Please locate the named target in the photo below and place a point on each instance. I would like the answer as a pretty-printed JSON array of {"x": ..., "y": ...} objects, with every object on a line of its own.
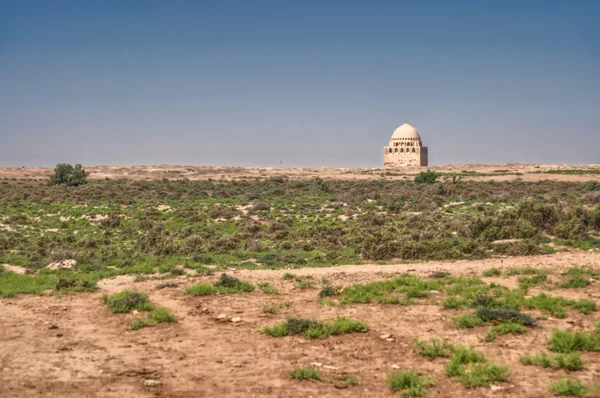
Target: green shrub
[
  {"x": 541, "y": 359},
  {"x": 570, "y": 362},
  {"x": 227, "y": 281},
  {"x": 454, "y": 302},
  {"x": 201, "y": 289},
  {"x": 439, "y": 275},
  {"x": 504, "y": 315},
  {"x": 569, "y": 388},
  {"x": 162, "y": 315},
  {"x": 315, "y": 330},
  {"x": 127, "y": 301},
  {"x": 467, "y": 321},
  {"x": 166, "y": 285},
  {"x": 267, "y": 288},
  {"x": 426, "y": 177},
  {"x": 280, "y": 330},
  {"x": 409, "y": 382},
  {"x": 565, "y": 341},
  {"x": 12, "y": 284},
  {"x": 504, "y": 328},
  {"x": 574, "y": 282},
  {"x": 327, "y": 291},
  {"x": 472, "y": 369},
  {"x": 492, "y": 272},
  {"x": 434, "y": 348},
  {"x": 482, "y": 374},
  {"x": 138, "y": 323},
  {"x": 305, "y": 374},
  {"x": 65, "y": 174},
  {"x": 75, "y": 285}
]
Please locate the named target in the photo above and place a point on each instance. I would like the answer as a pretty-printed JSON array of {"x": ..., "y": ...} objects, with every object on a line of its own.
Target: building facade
[{"x": 405, "y": 148}]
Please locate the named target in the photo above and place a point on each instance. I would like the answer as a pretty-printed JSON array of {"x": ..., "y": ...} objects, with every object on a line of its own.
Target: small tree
[
  {"x": 426, "y": 177},
  {"x": 65, "y": 174}
]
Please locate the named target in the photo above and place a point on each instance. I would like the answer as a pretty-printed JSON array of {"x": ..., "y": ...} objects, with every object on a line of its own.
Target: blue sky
[{"x": 304, "y": 83}]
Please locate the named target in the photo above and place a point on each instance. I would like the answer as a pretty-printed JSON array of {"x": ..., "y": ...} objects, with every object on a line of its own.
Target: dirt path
[{"x": 72, "y": 346}]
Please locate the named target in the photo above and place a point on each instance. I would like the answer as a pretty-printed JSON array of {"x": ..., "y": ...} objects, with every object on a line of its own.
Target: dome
[{"x": 406, "y": 131}]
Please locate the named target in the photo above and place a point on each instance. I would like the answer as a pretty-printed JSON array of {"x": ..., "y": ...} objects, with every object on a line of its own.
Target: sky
[{"x": 297, "y": 83}]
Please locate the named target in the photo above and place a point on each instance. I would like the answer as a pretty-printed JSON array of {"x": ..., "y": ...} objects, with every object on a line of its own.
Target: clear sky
[{"x": 305, "y": 83}]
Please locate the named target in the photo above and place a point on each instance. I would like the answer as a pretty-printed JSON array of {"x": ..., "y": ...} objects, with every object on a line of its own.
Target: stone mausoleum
[{"x": 405, "y": 148}]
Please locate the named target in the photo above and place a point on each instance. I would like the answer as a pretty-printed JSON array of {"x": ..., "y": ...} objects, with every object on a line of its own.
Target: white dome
[{"x": 406, "y": 131}]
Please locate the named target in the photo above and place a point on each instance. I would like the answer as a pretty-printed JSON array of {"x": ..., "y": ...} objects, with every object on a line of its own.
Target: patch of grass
[
  {"x": 75, "y": 285},
  {"x": 540, "y": 359},
  {"x": 467, "y": 321},
  {"x": 566, "y": 341},
  {"x": 556, "y": 305},
  {"x": 439, "y": 275},
  {"x": 12, "y": 284},
  {"x": 315, "y": 330},
  {"x": 526, "y": 271},
  {"x": 352, "y": 381},
  {"x": 327, "y": 291},
  {"x": 127, "y": 301},
  {"x": 526, "y": 282},
  {"x": 162, "y": 315},
  {"x": 306, "y": 374},
  {"x": 226, "y": 284},
  {"x": 409, "y": 382},
  {"x": 569, "y": 388},
  {"x": 575, "y": 282},
  {"x": 383, "y": 291},
  {"x": 492, "y": 272},
  {"x": 305, "y": 284},
  {"x": 472, "y": 368},
  {"x": 139, "y": 323},
  {"x": 280, "y": 330},
  {"x": 166, "y": 285},
  {"x": 454, "y": 302},
  {"x": 487, "y": 314},
  {"x": 434, "y": 348},
  {"x": 267, "y": 288},
  {"x": 201, "y": 289},
  {"x": 287, "y": 276},
  {"x": 502, "y": 329}
]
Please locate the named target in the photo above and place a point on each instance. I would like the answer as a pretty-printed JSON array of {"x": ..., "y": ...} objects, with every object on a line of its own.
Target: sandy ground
[
  {"x": 73, "y": 346},
  {"x": 528, "y": 172}
]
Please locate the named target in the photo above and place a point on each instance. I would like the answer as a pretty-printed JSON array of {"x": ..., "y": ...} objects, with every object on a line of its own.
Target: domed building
[{"x": 405, "y": 148}]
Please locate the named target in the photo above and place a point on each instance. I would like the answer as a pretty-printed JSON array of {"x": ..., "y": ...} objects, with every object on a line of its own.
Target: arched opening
[
  {"x": 413, "y": 150},
  {"x": 396, "y": 150},
  {"x": 401, "y": 150}
]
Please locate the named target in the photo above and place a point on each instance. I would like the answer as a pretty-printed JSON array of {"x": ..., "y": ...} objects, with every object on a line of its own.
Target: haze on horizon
[{"x": 312, "y": 83}]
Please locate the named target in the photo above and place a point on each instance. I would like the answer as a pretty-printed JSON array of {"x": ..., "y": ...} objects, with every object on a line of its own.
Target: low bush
[
  {"x": 504, "y": 315},
  {"x": 472, "y": 368},
  {"x": 426, "y": 177},
  {"x": 569, "y": 388},
  {"x": 434, "y": 348},
  {"x": 127, "y": 301},
  {"x": 566, "y": 341},
  {"x": 315, "y": 330},
  {"x": 492, "y": 272},
  {"x": 306, "y": 374},
  {"x": 75, "y": 285},
  {"x": 409, "y": 382},
  {"x": 226, "y": 284},
  {"x": 504, "y": 328}
]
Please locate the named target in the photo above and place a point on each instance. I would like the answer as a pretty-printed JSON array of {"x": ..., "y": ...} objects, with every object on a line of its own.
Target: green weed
[
  {"x": 409, "y": 382},
  {"x": 127, "y": 301},
  {"x": 569, "y": 388},
  {"x": 306, "y": 374}
]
